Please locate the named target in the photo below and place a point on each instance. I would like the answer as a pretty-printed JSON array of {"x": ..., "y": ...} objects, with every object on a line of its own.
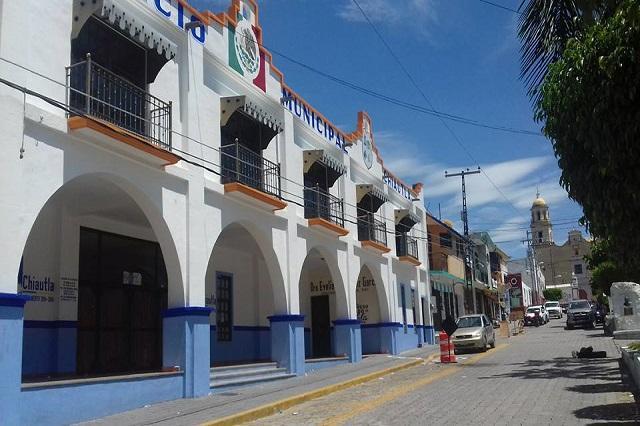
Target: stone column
[
  {"x": 185, "y": 344},
  {"x": 11, "y": 323},
  {"x": 348, "y": 339},
  {"x": 287, "y": 342},
  {"x": 389, "y": 337}
]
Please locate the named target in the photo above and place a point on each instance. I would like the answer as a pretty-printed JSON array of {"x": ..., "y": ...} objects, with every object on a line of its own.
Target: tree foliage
[
  {"x": 545, "y": 27},
  {"x": 605, "y": 269},
  {"x": 552, "y": 294},
  {"x": 590, "y": 106}
]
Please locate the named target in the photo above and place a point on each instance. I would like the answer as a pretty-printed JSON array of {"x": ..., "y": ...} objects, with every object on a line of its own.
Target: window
[
  {"x": 413, "y": 308},
  {"x": 445, "y": 240},
  {"x": 576, "y": 252},
  {"x": 539, "y": 236},
  {"x": 538, "y": 215},
  {"x": 577, "y": 268},
  {"x": 224, "y": 306}
]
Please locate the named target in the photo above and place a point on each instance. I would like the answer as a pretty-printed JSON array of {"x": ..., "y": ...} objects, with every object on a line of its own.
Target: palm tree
[{"x": 545, "y": 27}]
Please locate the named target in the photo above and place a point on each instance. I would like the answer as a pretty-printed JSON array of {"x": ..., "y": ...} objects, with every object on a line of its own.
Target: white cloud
[
  {"x": 518, "y": 179},
  {"x": 409, "y": 13}
]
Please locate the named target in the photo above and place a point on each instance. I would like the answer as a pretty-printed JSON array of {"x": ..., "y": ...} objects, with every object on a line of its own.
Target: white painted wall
[{"x": 185, "y": 206}]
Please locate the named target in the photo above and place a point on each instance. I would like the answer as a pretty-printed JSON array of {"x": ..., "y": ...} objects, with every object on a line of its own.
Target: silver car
[{"x": 474, "y": 332}]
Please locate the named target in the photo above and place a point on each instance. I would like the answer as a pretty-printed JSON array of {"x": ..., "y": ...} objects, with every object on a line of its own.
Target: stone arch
[
  {"x": 323, "y": 299},
  {"x": 81, "y": 211},
  {"x": 245, "y": 286}
]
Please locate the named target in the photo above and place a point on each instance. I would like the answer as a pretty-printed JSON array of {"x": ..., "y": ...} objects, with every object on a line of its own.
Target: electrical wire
[
  {"x": 499, "y": 6},
  {"x": 425, "y": 97},
  {"x": 184, "y": 154}
]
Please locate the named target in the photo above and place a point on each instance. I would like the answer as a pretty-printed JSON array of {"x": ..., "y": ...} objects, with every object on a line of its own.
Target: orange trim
[
  {"x": 201, "y": 16},
  {"x": 276, "y": 203},
  {"x": 375, "y": 246},
  {"x": 409, "y": 259},
  {"x": 223, "y": 18},
  {"x": 117, "y": 133},
  {"x": 323, "y": 223}
]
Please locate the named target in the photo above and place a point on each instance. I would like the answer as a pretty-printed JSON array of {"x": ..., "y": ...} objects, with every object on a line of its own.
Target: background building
[{"x": 559, "y": 263}]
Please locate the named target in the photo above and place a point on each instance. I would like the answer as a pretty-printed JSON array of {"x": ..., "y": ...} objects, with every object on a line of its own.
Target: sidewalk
[{"x": 235, "y": 401}]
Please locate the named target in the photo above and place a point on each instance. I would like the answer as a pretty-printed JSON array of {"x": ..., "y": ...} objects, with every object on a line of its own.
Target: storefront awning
[
  {"x": 268, "y": 123},
  {"x": 120, "y": 15},
  {"x": 405, "y": 218},
  {"x": 377, "y": 195},
  {"x": 318, "y": 158}
]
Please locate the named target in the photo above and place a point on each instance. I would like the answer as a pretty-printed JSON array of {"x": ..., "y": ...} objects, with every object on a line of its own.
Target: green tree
[
  {"x": 545, "y": 27},
  {"x": 605, "y": 269},
  {"x": 552, "y": 294},
  {"x": 590, "y": 106}
]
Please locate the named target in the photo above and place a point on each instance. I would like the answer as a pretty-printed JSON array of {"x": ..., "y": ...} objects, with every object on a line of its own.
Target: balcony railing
[
  {"x": 320, "y": 204},
  {"x": 406, "y": 246},
  {"x": 97, "y": 92},
  {"x": 371, "y": 229},
  {"x": 240, "y": 164}
]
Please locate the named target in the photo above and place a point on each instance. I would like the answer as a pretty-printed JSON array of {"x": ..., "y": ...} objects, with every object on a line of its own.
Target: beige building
[{"x": 561, "y": 264}]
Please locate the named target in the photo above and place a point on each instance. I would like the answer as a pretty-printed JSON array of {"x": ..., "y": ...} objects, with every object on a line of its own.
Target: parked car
[
  {"x": 534, "y": 316},
  {"x": 474, "y": 332},
  {"x": 580, "y": 313},
  {"x": 553, "y": 309},
  {"x": 564, "y": 306}
]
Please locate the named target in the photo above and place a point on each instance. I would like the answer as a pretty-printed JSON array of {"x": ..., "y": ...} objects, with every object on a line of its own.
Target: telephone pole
[
  {"x": 468, "y": 275},
  {"x": 531, "y": 259}
]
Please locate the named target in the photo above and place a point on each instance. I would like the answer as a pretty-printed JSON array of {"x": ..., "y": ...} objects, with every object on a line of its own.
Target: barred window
[{"x": 224, "y": 306}]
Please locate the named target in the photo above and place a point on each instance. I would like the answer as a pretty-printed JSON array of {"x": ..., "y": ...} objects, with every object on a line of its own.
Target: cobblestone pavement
[{"x": 527, "y": 379}]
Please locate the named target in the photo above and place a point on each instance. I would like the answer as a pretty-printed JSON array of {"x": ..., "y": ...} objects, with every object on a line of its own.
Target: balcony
[
  {"x": 324, "y": 210},
  {"x": 249, "y": 176},
  {"x": 372, "y": 233},
  {"x": 407, "y": 249},
  {"x": 105, "y": 104}
]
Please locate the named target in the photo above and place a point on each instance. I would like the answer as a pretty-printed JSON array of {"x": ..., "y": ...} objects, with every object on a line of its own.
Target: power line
[
  {"x": 424, "y": 96},
  {"x": 499, "y": 6}
]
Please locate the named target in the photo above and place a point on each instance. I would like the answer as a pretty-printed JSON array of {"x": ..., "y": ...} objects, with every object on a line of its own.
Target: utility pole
[
  {"x": 468, "y": 275},
  {"x": 531, "y": 259}
]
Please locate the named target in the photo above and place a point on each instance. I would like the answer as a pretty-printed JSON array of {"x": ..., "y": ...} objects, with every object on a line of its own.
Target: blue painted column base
[
  {"x": 287, "y": 342},
  {"x": 185, "y": 344},
  {"x": 389, "y": 337},
  {"x": 11, "y": 323},
  {"x": 348, "y": 339}
]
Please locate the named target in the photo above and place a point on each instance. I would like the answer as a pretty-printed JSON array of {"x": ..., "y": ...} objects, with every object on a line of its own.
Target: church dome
[{"x": 539, "y": 201}]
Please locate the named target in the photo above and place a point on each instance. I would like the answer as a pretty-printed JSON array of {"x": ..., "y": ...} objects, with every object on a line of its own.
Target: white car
[
  {"x": 553, "y": 309},
  {"x": 532, "y": 311}
]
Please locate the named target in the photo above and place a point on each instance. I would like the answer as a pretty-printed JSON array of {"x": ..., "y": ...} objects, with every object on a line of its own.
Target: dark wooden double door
[
  {"x": 122, "y": 293},
  {"x": 320, "y": 327}
]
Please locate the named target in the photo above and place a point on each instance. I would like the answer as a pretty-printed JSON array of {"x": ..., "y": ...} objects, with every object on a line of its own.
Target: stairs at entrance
[{"x": 234, "y": 376}]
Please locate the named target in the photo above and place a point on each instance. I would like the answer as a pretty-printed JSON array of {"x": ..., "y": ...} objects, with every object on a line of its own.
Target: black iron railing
[
  {"x": 320, "y": 204},
  {"x": 240, "y": 164},
  {"x": 406, "y": 245},
  {"x": 95, "y": 91},
  {"x": 371, "y": 229}
]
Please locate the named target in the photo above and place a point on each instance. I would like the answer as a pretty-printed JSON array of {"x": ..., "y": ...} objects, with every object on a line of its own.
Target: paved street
[{"x": 528, "y": 379}]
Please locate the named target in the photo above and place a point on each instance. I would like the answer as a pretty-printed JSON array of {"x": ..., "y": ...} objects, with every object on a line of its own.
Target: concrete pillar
[
  {"x": 11, "y": 323},
  {"x": 348, "y": 339},
  {"x": 287, "y": 342},
  {"x": 185, "y": 344},
  {"x": 389, "y": 337}
]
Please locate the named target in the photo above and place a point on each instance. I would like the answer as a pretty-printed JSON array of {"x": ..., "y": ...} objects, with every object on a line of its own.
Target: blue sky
[{"x": 464, "y": 56}]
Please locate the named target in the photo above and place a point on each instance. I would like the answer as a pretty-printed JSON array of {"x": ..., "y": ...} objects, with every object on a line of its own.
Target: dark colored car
[{"x": 579, "y": 313}]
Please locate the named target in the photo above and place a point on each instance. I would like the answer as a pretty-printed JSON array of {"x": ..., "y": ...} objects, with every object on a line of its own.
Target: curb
[{"x": 283, "y": 404}]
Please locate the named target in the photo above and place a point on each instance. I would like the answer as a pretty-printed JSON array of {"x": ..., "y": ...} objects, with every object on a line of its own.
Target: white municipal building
[{"x": 168, "y": 205}]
